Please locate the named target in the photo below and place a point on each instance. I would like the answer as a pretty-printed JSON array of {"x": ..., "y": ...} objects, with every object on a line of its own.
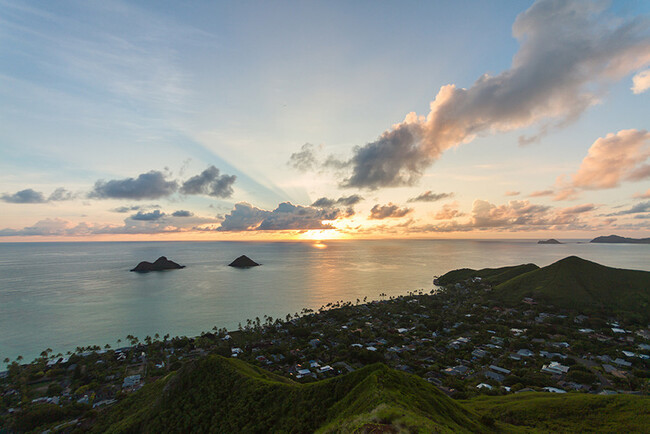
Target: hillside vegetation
[
  {"x": 220, "y": 394},
  {"x": 228, "y": 395},
  {"x": 494, "y": 276},
  {"x": 571, "y": 412},
  {"x": 571, "y": 283}
]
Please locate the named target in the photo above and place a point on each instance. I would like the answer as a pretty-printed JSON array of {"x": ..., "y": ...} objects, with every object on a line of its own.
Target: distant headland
[
  {"x": 615, "y": 239},
  {"x": 550, "y": 241},
  {"x": 161, "y": 264}
]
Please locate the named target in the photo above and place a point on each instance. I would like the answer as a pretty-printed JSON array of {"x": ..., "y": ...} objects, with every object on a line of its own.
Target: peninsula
[{"x": 615, "y": 239}]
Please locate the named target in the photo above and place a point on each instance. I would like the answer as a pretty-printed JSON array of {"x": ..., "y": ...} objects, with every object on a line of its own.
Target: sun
[{"x": 321, "y": 235}]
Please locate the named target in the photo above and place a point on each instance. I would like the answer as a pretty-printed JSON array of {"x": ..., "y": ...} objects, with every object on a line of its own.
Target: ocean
[{"x": 66, "y": 295}]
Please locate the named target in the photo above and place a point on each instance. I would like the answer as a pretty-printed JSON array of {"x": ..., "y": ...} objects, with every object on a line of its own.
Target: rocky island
[
  {"x": 615, "y": 239},
  {"x": 551, "y": 241},
  {"x": 161, "y": 264},
  {"x": 243, "y": 262}
]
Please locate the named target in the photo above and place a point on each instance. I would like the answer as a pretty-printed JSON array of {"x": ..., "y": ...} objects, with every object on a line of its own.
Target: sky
[{"x": 161, "y": 120}]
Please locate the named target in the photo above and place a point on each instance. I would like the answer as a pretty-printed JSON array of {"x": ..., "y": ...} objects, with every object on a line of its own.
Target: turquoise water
[{"x": 65, "y": 295}]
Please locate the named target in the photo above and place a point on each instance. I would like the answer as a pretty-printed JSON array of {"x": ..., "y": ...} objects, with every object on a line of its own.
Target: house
[
  {"x": 555, "y": 368},
  {"x": 456, "y": 370},
  {"x": 478, "y": 353},
  {"x": 494, "y": 376},
  {"x": 484, "y": 386},
  {"x": 621, "y": 362},
  {"x": 131, "y": 381},
  {"x": 500, "y": 370},
  {"x": 525, "y": 353},
  {"x": 551, "y": 355},
  {"x": 554, "y": 390}
]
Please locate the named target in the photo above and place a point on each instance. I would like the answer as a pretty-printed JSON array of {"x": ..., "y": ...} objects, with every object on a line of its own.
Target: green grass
[
  {"x": 575, "y": 283},
  {"x": 493, "y": 276},
  {"x": 227, "y": 395},
  {"x": 571, "y": 412},
  {"x": 571, "y": 283}
]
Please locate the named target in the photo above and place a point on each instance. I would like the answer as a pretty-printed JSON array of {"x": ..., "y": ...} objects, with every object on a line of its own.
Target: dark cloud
[
  {"x": 148, "y": 216},
  {"x": 288, "y": 216},
  {"x": 429, "y": 196},
  {"x": 211, "y": 183},
  {"x": 305, "y": 159},
  {"x": 150, "y": 185},
  {"x": 380, "y": 212},
  {"x": 31, "y": 196},
  {"x": 636, "y": 209},
  {"x": 125, "y": 209},
  {"x": 24, "y": 196},
  {"x": 325, "y": 202},
  {"x": 246, "y": 217},
  {"x": 243, "y": 217},
  {"x": 568, "y": 51},
  {"x": 182, "y": 213}
]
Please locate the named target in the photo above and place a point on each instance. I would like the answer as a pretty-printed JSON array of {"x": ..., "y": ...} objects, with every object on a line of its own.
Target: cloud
[
  {"x": 641, "y": 82},
  {"x": 211, "y": 183},
  {"x": 31, "y": 196},
  {"x": 148, "y": 216},
  {"x": 512, "y": 193},
  {"x": 609, "y": 161},
  {"x": 636, "y": 209},
  {"x": 645, "y": 195},
  {"x": 246, "y": 217},
  {"x": 541, "y": 193},
  {"x": 429, "y": 196},
  {"x": 516, "y": 215},
  {"x": 60, "y": 194},
  {"x": 569, "y": 50},
  {"x": 150, "y": 185},
  {"x": 24, "y": 196},
  {"x": 288, "y": 216},
  {"x": 578, "y": 209},
  {"x": 380, "y": 212},
  {"x": 325, "y": 202},
  {"x": 243, "y": 217},
  {"x": 182, "y": 213},
  {"x": 305, "y": 159},
  {"x": 125, "y": 209},
  {"x": 448, "y": 212}
]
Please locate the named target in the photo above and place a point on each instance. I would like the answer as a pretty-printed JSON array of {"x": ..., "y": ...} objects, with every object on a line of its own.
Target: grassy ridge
[
  {"x": 228, "y": 395},
  {"x": 575, "y": 283},
  {"x": 493, "y": 276},
  {"x": 571, "y": 412},
  {"x": 570, "y": 283}
]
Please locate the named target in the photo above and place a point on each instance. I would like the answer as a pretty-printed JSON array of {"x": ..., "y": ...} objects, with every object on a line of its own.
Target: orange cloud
[{"x": 610, "y": 160}]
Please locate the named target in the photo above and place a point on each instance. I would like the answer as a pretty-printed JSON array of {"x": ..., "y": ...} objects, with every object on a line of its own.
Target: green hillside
[
  {"x": 229, "y": 395},
  {"x": 570, "y": 283},
  {"x": 575, "y": 283},
  {"x": 570, "y": 412},
  {"x": 494, "y": 276}
]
